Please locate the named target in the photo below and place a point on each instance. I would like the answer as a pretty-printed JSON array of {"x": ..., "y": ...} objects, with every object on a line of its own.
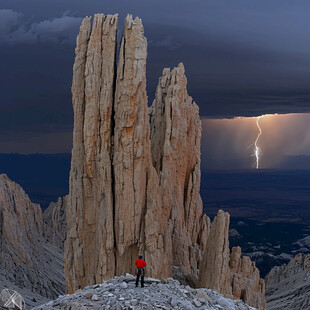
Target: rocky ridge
[
  {"x": 55, "y": 223},
  {"x": 121, "y": 293},
  {"x": 288, "y": 286},
  {"x": 135, "y": 172},
  {"x": 29, "y": 264},
  {"x": 245, "y": 279}
]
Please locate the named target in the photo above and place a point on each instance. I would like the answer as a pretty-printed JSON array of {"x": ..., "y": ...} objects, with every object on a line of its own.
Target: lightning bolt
[{"x": 257, "y": 149}]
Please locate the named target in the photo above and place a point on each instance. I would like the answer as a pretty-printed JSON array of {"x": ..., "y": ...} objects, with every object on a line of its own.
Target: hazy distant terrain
[
  {"x": 270, "y": 209},
  {"x": 264, "y": 195}
]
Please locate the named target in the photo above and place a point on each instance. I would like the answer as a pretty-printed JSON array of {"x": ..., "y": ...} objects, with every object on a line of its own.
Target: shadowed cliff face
[
  {"x": 287, "y": 286},
  {"x": 135, "y": 172},
  {"x": 28, "y": 262}
]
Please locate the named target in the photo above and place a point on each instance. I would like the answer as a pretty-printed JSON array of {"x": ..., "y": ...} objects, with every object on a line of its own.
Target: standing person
[{"x": 140, "y": 264}]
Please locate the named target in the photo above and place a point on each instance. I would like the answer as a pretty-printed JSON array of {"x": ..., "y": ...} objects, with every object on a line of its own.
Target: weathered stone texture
[
  {"x": 175, "y": 139},
  {"x": 214, "y": 266},
  {"x": 135, "y": 172},
  {"x": 288, "y": 286},
  {"x": 28, "y": 261},
  {"x": 89, "y": 248},
  {"x": 231, "y": 274},
  {"x": 55, "y": 223},
  {"x": 135, "y": 182},
  {"x": 245, "y": 280}
]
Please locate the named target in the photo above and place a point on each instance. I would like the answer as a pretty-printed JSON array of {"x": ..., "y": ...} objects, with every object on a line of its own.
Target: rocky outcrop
[
  {"x": 245, "y": 280},
  {"x": 28, "y": 262},
  {"x": 54, "y": 222},
  {"x": 288, "y": 286},
  {"x": 121, "y": 293},
  {"x": 175, "y": 141},
  {"x": 119, "y": 201},
  {"x": 137, "y": 201},
  {"x": 89, "y": 250},
  {"x": 214, "y": 266},
  {"x": 231, "y": 274},
  {"x": 135, "y": 172}
]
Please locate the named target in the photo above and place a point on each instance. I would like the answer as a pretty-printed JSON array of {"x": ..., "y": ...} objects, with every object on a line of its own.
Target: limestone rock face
[
  {"x": 28, "y": 262},
  {"x": 136, "y": 185},
  {"x": 119, "y": 203},
  {"x": 89, "y": 249},
  {"x": 214, "y": 266},
  {"x": 55, "y": 223},
  {"x": 288, "y": 286},
  {"x": 245, "y": 280},
  {"x": 135, "y": 172},
  {"x": 231, "y": 274},
  {"x": 175, "y": 141}
]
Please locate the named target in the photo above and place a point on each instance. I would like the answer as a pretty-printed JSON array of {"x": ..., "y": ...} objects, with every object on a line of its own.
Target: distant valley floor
[{"x": 270, "y": 209}]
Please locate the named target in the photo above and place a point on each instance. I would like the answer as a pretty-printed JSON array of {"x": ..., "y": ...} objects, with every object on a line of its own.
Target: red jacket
[{"x": 140, "y": 263}]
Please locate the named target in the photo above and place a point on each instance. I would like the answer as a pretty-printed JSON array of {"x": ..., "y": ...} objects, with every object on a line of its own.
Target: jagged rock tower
[
  {"x": 135, "y": 172},
  {"x": 134, "y": 181}
]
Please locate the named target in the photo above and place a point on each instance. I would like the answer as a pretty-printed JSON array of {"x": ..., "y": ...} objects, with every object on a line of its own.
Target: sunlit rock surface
[
  {"x": 245, "y": 280},
  {"x": 135, "y": 172}
]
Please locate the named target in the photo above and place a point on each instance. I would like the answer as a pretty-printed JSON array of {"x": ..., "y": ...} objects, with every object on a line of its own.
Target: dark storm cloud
[
  {"x": 14, "y": 29},
  {"x": 8, "y": 20},
  {"x": 229, "y": 78},
  {"x": 242, "y": 58}
]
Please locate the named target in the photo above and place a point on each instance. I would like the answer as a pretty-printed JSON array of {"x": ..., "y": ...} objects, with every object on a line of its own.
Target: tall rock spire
[
  {"x": 89, "y": 248},
  {"x": 175, "y": 139},
  {"x": 135, "y": 172},
  {"x": 214, "y": 266},
  {"x": 131, "y": 157}
]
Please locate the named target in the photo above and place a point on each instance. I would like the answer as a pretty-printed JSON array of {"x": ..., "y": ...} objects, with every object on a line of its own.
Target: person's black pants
[{"x": 140, "y": 273}]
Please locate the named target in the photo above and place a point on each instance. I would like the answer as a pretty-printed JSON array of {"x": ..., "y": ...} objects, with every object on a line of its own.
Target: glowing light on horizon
[{"x": 257, "y": 149}]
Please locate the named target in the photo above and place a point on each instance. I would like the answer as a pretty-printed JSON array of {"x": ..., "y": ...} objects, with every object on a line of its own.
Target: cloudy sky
[{"x": 242, "y": 58}]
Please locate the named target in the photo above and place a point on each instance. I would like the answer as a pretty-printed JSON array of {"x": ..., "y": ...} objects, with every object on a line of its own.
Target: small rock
[
  {"x": 173, "y": 303},
  {"x": 95, "y": 298},
  {"x": 123, "y": 285},
  {"x": 129, "y": 277},
  {"x": 200, "y": 294},
  {"x": 196, "y": 303},
  {"x": 202, "y": 300},
  {"x": 88, "y": 295}
]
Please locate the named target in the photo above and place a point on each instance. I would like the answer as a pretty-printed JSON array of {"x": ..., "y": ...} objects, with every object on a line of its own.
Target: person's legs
[
  {"x": 142, "y": 280},
  {"x": 137, "y": 279}
]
